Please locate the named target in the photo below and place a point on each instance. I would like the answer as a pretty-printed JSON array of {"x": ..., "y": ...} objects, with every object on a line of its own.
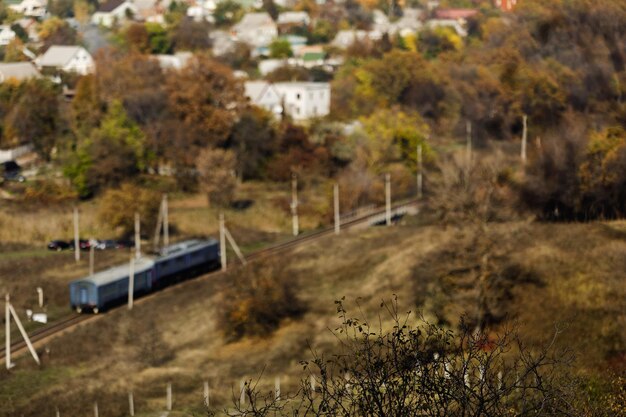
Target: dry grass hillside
[{"x": 532, "y": 274}]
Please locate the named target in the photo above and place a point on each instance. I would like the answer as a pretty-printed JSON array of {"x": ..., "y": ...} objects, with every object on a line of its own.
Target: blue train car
[
  {"x": 185, "y": 260},
  {"x": 110, "y": 287}
]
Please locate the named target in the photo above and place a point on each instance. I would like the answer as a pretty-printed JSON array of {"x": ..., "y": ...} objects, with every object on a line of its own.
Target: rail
[{"x": 72, "y": 320}]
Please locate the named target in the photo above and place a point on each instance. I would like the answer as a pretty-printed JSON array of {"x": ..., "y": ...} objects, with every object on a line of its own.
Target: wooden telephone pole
[{"x": 294, "y": 205}]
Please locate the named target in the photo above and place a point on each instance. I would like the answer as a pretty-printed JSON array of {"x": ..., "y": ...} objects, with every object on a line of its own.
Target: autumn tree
[
  {"x": 56, "y": 31},
  {"x": 216, "y": 175},
  {"x": 34, "y": 117},
  {"x": 118, "y": 207},
  {"x": 254, "y": 141},
  {"x": 204, "y": 100},
  {"x": 113, "y": 152}
]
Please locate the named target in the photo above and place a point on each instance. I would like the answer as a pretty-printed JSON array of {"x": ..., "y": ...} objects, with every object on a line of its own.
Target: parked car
[
  {"x": 125, "y": 243},
  {"x": 59, "y": 245},
  {"x": 107, "y": 244},
  {"x": 11, "y": 171}
]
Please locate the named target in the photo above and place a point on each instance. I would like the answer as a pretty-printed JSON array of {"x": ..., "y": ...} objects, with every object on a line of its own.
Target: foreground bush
[{"x": 424, "y": 370}]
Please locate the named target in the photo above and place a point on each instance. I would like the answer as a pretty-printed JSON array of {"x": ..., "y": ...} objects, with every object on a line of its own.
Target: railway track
[{"x": 42, "y": 334}]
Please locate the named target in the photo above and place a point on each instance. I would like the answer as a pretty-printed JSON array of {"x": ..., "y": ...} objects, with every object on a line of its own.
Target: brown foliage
[
  {"x": 257, "y": 298},
  {"x": 216, "y": 175},
  {"x": 118, "y": 208}
]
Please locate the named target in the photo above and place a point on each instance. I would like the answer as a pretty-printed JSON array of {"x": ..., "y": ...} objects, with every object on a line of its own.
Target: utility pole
[
  {"x": 336, "y": 205},
  {"x": 388, "y": 199},
  {"x": 7, "y": 332},
  {"x": 524, "y": 140},
  {"x": 131, "y": 284},
  {"x": 419, "y": 171},
  {"x": 166, "y": 224},
  {"x": 234, "y": 245},
  {"x": 468, "y": 131},
  {"x": 222, "y": 242},
  {"x": 92, "y": 249},
  {"x": 294, "y": 204},
  {"x": 95, "y": 409},
  {"x": 157, "y": 231},
  {"x": 10, "y": 311},
  {"x": 137, "y": 236},
  {"x": 76, "y": 238}
]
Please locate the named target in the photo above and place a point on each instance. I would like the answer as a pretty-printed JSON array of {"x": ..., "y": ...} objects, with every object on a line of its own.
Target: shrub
[
  {"x": 118, "y": 208},
  {"x": 424, "y": 370},
  {"x": 257, "y": 299}
]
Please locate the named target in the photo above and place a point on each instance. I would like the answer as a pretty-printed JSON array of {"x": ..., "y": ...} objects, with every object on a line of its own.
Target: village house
[
  {"x": 6, "y": 35},
  {"x": 113, "y": 11},
  {"x": 175, "y": 62},
  {"x": 66, "y": 58},
  {"x": 30, "y": 8},
  {"x": 300, "y": 100},
  {"x": 255, "y": 29},
  {"x": 345, "y": 38},
  {"x": 17, "y": 71},
  {"x": 293, "y": 19},
  {"x": 505, "y": 5}
]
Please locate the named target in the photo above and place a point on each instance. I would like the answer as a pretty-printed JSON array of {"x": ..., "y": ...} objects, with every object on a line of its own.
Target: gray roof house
[
  {"x": 18, "y": 71},
  {"x": 67, "y": 58}
]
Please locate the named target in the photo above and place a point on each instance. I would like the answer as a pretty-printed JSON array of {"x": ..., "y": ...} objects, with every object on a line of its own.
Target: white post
[
  {"x": 92, "y": 249},
  {"x": 524, "y": 139},
  {"x": 206, "y": 393},
  {"x": 24, "y": 335},
  {"x": 131, "y": 404},
  {"x": 40, "y": 296},
  {"x": 169, "y": 396},
  {"x": 58, "y": 413},
  {"x": 7, "y": 332},
  {"x": 131, "y": 284},
  {"x": 468, "y": 131},
  {"x": 388, "y": 199},
  {"x": 95, "y": 409},
  {"x": 294, "y": 205},
  {"x": 336, "y": 204},
  {"x": 137, "y": 236},
  {"x": 234, "y": 246},
  {"x": 166, "y": 224},
  {"x": 242, "y": 393},
  {"x": 419, "y": 171},
  {"x": 277, "y": 388},
  {"x": 76, "y": 237},
  {"x": 312, "y": 380},
  {"x": 222, "y": 242}
]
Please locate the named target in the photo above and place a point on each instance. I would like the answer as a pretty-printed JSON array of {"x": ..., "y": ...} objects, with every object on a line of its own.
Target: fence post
[
  {"x": 95, "y": 409},
  {"x": 277, "y": 388},
  {"x": 131, "y": 404},
  {"x": 419, "y": 171},
  {"x": 206, "y": 393},
  {"x": 40, "y": 296},
  {"x": 169, "y": 396}
]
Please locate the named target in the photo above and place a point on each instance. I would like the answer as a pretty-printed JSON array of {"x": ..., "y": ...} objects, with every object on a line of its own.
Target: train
[{"x": 177, "y": 262}]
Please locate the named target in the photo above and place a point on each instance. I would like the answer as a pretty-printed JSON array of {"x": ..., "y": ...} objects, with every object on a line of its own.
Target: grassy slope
[{"x": 572, "y": 273}]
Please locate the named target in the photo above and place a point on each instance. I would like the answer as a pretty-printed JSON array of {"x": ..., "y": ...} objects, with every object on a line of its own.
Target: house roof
[
  {"x": 17, "y": 70},
  {"x": 293, "y": 17},
  {"x": 252, "y": 20},
  {"x": 110, "y": 5},
  {"x": 455, "y": 13},
  {"x": 58, "y": 56},
  {"x": 254, "y": 90}
]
